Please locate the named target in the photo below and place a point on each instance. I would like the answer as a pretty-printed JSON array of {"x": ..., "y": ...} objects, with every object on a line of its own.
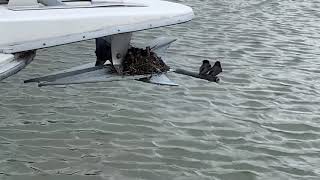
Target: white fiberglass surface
[
  {"x": 24, "y": 26},
  {"x": 4, "y": 58}
]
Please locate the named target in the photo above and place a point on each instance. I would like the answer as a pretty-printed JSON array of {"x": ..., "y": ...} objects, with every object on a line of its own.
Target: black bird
[
  {"x": 205, "y": 67},
  {"x": 216, "y": 69}
]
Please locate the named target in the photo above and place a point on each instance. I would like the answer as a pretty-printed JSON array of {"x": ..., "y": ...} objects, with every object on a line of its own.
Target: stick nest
[{"x": 143, "y": 61}]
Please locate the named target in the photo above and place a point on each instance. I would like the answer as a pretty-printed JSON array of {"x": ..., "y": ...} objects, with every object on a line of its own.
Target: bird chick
[
  {"x": 216, "y": 69},
  {"x": 205, "y": 67}
]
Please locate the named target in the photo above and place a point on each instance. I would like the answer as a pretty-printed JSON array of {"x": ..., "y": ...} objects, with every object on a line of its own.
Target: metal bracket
[{"x": 119, "y": 46}]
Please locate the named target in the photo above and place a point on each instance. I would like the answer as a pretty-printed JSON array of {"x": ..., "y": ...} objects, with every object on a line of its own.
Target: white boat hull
[
  {"x": 51, "y": 27},
  {"x": 11, "y": 64}
]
